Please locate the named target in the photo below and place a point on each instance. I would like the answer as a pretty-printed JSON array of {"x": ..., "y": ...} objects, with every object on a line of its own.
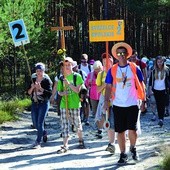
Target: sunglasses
[{"x": 121, "y": 54}]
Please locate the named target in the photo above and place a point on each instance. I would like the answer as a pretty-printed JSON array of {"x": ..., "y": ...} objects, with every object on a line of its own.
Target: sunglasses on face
[{"x": 121, "y": 53}]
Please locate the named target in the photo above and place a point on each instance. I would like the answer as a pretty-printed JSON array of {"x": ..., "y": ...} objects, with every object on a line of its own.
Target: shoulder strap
[
  {"x": 89, "y": 66},
  {"x": 81, "y": 73},
  {"x": 79, "y": 66},
  {"x": 74, "y": 78},
  {"x": 101, "y": 76},
  {"x": 61, "y": 79}
]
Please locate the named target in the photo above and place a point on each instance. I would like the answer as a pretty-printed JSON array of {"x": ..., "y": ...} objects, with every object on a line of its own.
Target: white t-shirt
[
  {"x": 158, "y": 83},
  {"x": 86, "y": 68},
  {"x": 126, "y": 94}
]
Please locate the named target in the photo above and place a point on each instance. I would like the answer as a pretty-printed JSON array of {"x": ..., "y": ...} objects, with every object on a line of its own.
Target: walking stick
[
  {"x": 66, "y": 96},
  {"x": 106, "y": 124}
]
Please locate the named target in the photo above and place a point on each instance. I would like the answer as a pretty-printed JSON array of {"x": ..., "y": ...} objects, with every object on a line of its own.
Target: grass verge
[{"x": 9, "y": 109}]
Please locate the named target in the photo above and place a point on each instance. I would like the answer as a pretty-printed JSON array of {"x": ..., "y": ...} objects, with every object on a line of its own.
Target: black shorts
[{"x": 125, "y": 118}]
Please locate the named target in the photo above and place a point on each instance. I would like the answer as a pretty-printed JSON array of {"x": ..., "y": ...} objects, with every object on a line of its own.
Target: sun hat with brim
[
  {"x": 68, "y": 59},
  {"x": 121, "y": 44}
]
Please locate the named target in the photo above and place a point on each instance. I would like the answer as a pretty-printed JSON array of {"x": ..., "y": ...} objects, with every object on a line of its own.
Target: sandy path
[{"x": 16, "y": 137}]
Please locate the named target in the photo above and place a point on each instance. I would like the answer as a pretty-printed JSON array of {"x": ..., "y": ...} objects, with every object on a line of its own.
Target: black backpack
[{"x": 83, "y": 89}]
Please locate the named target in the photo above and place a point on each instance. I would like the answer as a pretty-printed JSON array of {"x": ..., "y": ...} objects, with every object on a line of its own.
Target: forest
[{"x": 147, "y": 29}]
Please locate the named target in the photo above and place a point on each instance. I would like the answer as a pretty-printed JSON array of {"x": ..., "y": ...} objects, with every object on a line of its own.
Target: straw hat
[{"x": 121, "y": 44}]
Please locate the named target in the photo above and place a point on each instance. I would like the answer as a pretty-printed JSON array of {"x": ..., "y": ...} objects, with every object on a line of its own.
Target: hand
[
  {"x": 66, "y": 82},
  {"x": 64, "y": 93},
  {"x": 37, "y": 85},
  {"x": 142, "y": 106},
  {"x": 106, "y": 105},
  {"x": 32, "y": 85}
]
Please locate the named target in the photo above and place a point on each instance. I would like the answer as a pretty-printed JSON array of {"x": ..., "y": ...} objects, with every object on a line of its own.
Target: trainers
[
  {"x": 153, "y": 118},
  {"x": 45, "y": 137},
  {"x": 111, "y": 148},
  {"x": 166, "y": 113},
  {"x": 123, "y": 159},
  {"x": 135, "y": 156},
  {"x": 36, "y": 145},
  {"x": 86, "y": 122},
  {"x": 81, "y": 144},
  {"x": 99, "y": 134},
  {"x": 73, "y": 128},
  {"x": 33, "y": 127},
  {"x": 160, "y": 123}
]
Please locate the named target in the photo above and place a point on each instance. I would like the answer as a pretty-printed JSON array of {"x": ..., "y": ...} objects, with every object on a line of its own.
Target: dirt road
[{"x": 16, "y": 137}]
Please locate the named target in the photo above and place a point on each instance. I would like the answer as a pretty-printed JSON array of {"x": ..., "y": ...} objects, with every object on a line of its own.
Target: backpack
[{"x": 83, "y": 87}]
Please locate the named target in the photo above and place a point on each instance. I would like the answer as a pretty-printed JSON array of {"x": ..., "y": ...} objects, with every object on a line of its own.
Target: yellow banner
[{"x": 106, "y": 30}]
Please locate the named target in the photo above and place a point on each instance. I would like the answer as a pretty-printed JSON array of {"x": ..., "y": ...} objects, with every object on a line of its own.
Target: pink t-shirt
[{"x": 90, "y": 83}]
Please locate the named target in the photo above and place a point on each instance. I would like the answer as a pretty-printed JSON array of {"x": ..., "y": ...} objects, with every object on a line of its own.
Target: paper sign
[
  {"x": 18, "y": 32},
  {"x": 106, "y": 30}
]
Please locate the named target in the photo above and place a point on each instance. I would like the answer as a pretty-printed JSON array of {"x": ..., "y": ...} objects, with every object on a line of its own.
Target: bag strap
[
  {"x": 74, "y": 78},
  {"x": 89, "y": 66},
  {"x": 102, "y": 73}
]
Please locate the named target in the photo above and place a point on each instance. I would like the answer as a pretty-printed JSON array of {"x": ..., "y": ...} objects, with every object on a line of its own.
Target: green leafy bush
[
  {"x": 9, "y": 109},
  {"x": 166, "y": 162},
  {"x": 5, "y": 116}
]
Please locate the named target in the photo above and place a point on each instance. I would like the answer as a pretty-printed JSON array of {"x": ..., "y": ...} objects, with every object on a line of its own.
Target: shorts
[
  {"x": 73, "y": 119},
  {"x": 125, "y": 118}
]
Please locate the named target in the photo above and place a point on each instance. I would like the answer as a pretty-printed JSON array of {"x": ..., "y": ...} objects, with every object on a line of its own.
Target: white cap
[
  {"x": 74, "y": 64},
  {"x": 69, "y": 59}
]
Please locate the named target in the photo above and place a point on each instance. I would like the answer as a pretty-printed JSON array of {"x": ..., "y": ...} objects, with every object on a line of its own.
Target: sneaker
[
  {"x": 111, "y": 148},
  {"x": 160, "y": 123},
  {"x": 153, "y": 118},
  {"x": 81, "y": 144},
  {"x": 99, "y": 134},
  {"x": 33, "y": 127},
  {"x": 166, "y": 113},
  {"x": 36, "y": 145},
  {"x": 123, "y": 159},
  {"x": 45, "y": 137},
  {"x": 86, "y": 122},
  {"x": 135, "y": 155},
  {"x": 73, "y": 128}
]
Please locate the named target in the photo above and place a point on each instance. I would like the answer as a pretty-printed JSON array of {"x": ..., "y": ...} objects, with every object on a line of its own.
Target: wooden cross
[{"x": 62, "y": 28}]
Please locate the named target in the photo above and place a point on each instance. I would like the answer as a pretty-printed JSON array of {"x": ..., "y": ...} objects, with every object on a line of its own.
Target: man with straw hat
[{"x": 124, "y": 87}]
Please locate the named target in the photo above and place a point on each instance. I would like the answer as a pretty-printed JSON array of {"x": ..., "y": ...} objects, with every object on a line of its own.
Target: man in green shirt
[{"x": 70, "y": 103}]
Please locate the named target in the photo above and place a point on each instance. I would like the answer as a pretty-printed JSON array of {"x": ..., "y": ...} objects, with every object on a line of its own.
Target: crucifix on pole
[{"x": 62, "y": 28}]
